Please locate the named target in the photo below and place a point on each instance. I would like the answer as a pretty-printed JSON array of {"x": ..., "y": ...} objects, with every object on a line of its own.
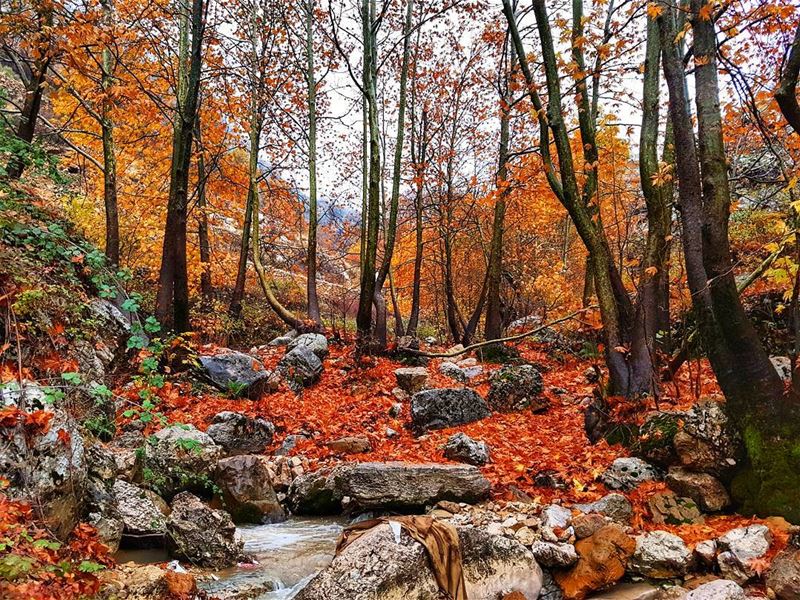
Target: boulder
[
  {"x": 720, "y": 589},
  {"x": 285, "y": 339},
  {"x": 442, "y": 408},
  {"x": 178, "y": 458},
  {"x": 706, "y": 552},
  {"x": 614, "y": 506},
  {"x": 453, "y": 371},
  {"x": 706, "y": 490},
  {"x": 671, "y": 509},
  {"x": 628, "y": 472},
  {"x": 708, "y": 442},
  {"x": 412, "y": 379},
  {"x": 237, "y": 373},
  {"x": 385, "y": 486},
  {"x": 101, "y": 462},
  {"x": 407, "y": 351},
  {"x": 380, "y": 565},
  {"x": 586, "y": 525},
  {"x": 740, "y": 547},
  {"x": 42, "y": 456},
  {"x": 462, "y": 448},
  {"x": 201, "y": 535},
  {"x": 556, "y": 517},
  {"x": 351, "y": 444},
  {"x": 315, "y": 342},
  {"x": 783, "y": 577},
  {"x": 143, "y": 515},
  {"x": 660, "y": 555},
  {"x": 516, "y": 387},
  {"x": 554, "y": 554},
  {"x": 102, "y": 512},
  {"x": 300, "y": 367},
  {"x": 783, "y": 365},
  {"x": 236, "y": 433},
  {"x": 602, "y": 559},
  {"x": 245, "y": 484}
]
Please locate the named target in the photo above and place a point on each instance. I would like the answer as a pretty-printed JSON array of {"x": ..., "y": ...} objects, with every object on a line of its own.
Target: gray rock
[
  {"x": 103, "y": 514},
  {"x": 236, "y": 433},
  {"x": 708, "y": 442},
  {"x": 453, "y": 371},
  {"x": 614, "y": 506},
  {"x": 285, "y": 339},
  {"x": 706, "y": 490},
  {"x": 462, "y": 448},
  {"x": 143, "y": 515},
  {"x": 441, "y": 408},
  {"x": 49, "y": 469},
  {"x": 706, "y": 551},
  {"x": 300, "y": 367},
  {"x": 720, "y": 589},
  {"x": 385, "y": 486},
  {"x": 377, "y": 566},
  {"x": 739, "y": 547},
  {"x": 783, "y": 577},
  {"x": 315, "y": 342},
  {"x": 236, "y": 372},
  {"x": 550, "y": 589},
  {"x": 552, "y": 555},
  {"x": 246, "y": 487},
  {"x": 412, "y": 379},
  {"x": 783, "y": 365},
  {"x": 201, "y": 535},
  {"x": 289, "y": 443},
  {"x": 396, "y": 410},
  {"x": 660, "y": 555},
  {"x": 629, "y": 472},
  {"x": 180, "y": 457},
  {"x": 112, "y": 317},
  {"x": 555, "y": 517},
  {"x": 101, "y": 462},
  {"x": 516, "y": 387}
]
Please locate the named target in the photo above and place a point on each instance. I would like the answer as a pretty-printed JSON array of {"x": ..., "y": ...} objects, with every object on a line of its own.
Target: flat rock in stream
[
  {"x": 378, "y": 566},
  {"x": 385, "y": 486}
]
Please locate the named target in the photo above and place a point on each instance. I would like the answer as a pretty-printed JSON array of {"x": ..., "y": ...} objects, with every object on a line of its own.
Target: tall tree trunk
[
  {"x": 172, "y": 300},
  {"x": 235, "y": 308},
  {"x": 786, "y": 94},
  {"x": 109, "y": 150},
  {"x": 311, "y": 268},
  {"x": 204, "y": 243},
  {"x": 418, "y": 158},
  {"x": 771, "y": 476}
]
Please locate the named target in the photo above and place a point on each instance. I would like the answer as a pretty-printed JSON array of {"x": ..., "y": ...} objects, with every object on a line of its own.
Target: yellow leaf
[{"x": 654, "y": 10}]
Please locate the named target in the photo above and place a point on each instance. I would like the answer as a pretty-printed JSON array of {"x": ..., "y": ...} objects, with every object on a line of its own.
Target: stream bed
[{"x": 288, "y": 555}]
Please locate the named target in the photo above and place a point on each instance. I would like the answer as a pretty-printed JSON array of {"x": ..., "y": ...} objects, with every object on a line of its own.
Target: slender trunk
[
  {"x": 398, "y": 318},
  {"x": 206, "y": 287},
  {"x": 109, "y": 150},
  {"x": 472, "y": 324},
  {"x": 418, "y": 158},
  {"x": 235, "y": 309},
  {"x": 786, "y": 94},
  {"x": 311, "y": 268},
  {"x": 172, "y": 300}
]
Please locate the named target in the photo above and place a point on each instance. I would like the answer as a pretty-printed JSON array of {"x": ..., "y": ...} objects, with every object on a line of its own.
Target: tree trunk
[
  {"x": 768, "y": 482},
  {"x": 235, "y": 309},
  {"x": 206, "y": 286},
  {"x": 109, "y": 150},
  {"x": 418, "y": 158},
  {"x": 311, "y": 268},
  {"x": 786, "y": 94}
]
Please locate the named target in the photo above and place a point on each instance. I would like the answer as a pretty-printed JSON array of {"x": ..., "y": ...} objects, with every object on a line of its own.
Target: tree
[
  {"x": 172, "y": 300},
  {"x": 311, "y": 82}
]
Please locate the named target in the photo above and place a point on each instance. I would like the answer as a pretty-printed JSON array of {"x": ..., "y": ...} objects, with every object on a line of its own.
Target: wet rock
[
  {"x": 238, "y": 373},
  {"x": 739, "y": 548},
  {"x": 614, "y": 506},
  {"x": 708, "y": 442},
  {"x": 180, "y": 458},
  {"x": 783, "y": 365},
  {"x": 376, "y": 565},
  {"x": 48, "y": 469},
  {"x": 720, "y": 589},
  {"x": 300, "y": 367},
  {"x": 630, "y": 591},
  {"x": 236, "y": 433},
  {"x": 315, "y": 342},
  {"x": 706, "y": 490},
  {"x": 629, "y": 472},
  {"x": 441, "y": 408},
  {"x": 285, "y": 339},
  {"x": 135, "y": 582},
  {"x": 783, "y": 577},
  {"x": 283, "y": 470},
  {"x": 245, "y": 482},
  {"x": 601, "y": 563},
  {"x": 143, "y": 515},
  {"x": 202, "y": 535},
  {"x": 516, "y": 387},
  {"x": 412, "y": 379},
  {"x": 354, "y": 444},
  {"x": 462, "y": 448},
  {"x": 670, "y": 509},
  {"x": 660, "y": 555},
  {"x": 550, "y": 589},
  {"x": 551, "y": 555},
  {"x": 586, "y": 525},
  {"x": 385, "y": 486}
]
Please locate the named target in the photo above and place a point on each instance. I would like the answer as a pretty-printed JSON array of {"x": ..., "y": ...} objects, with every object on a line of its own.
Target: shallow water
[{"x": 288, "y": 554}]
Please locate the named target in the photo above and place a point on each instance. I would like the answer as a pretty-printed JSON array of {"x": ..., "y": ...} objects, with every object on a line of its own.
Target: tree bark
[
  {"x": 204, "y": 243},
  {"x": 311, "y": 268},
  {"x": 235, "y": 308},
  {"x": 786, "y": 94},
  {"x": 109, "y": 150}
]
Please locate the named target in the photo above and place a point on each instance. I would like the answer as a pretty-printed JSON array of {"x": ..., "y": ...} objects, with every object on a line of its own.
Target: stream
[{"x": 288, "y": 555}]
